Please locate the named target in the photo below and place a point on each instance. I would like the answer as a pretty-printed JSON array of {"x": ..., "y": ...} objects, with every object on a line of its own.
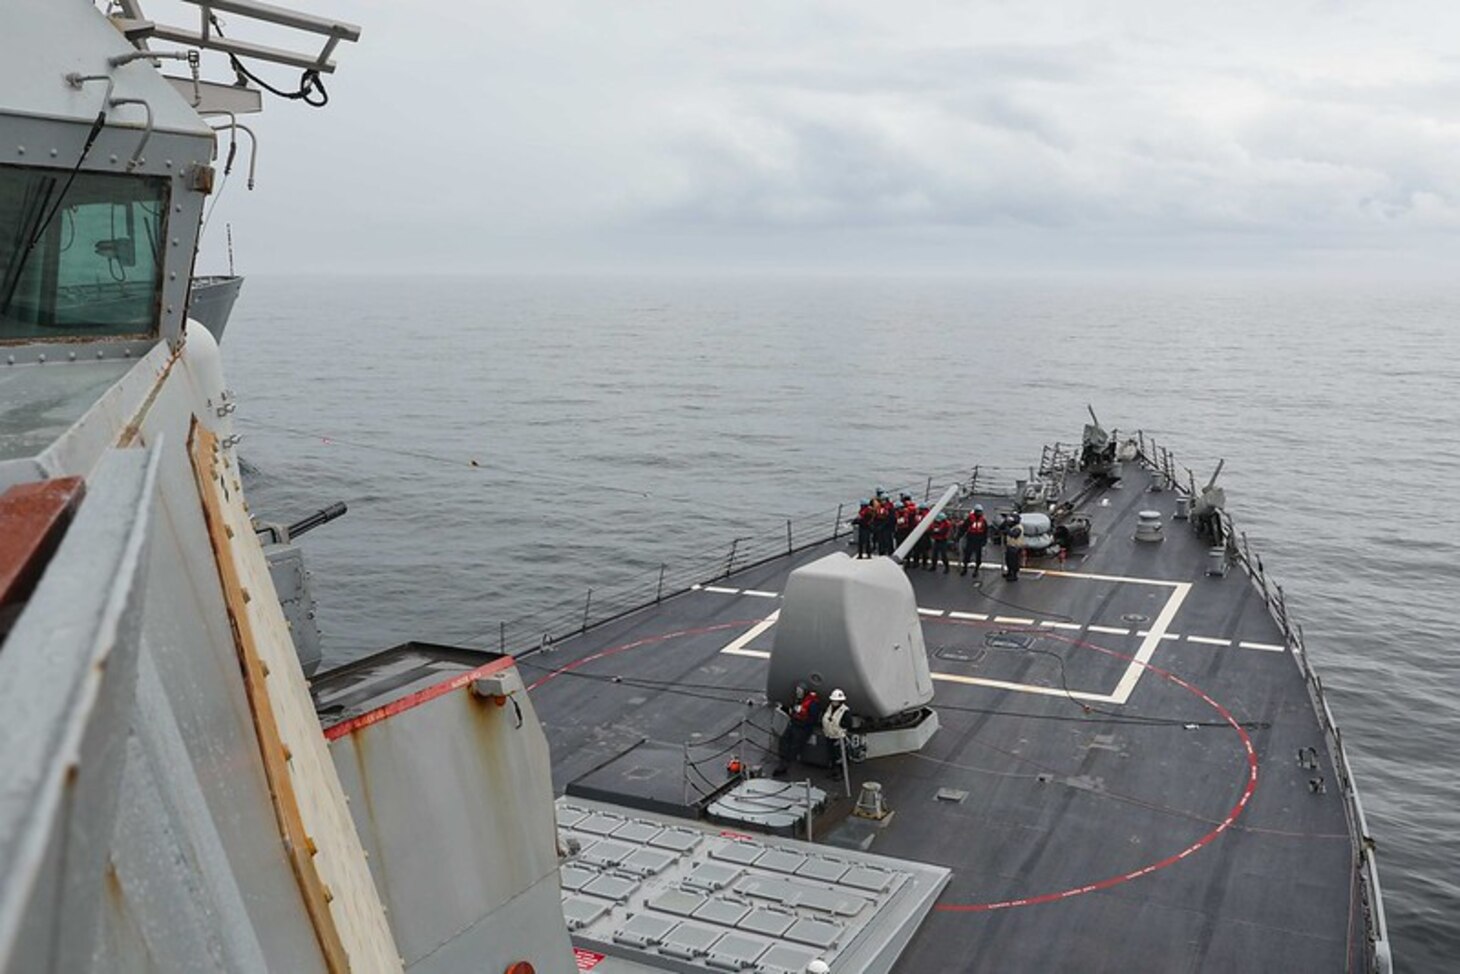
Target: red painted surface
[
  {"x": 415, "y": 699},
  {"x": 33, "y": 518},
  {"x": 587, "y": 959}
]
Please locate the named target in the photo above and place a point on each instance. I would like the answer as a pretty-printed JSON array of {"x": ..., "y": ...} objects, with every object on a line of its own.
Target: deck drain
[
  {"x": 953, "y": 795},
  {"x": 1134, "y": 617},
  {"x": 1008, "y": 640},
  {"x": 955, "y": 654}
]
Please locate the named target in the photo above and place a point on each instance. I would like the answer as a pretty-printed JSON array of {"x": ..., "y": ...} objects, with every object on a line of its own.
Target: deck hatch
[
  {"x": 644, "y": 930},
  {"x": 580, "y": 911},
  {"x": 736, "y": 951},
  {"x": 689, "y": 940},
  {"x": 768, "y": 920},
  {"x": 682, "y": 902},
  {"x": 742, "y": 852},
  {"x": 612, "y": 887},
  {"x": 786, "y": 959},
  {"x": 718, "y": 909}
]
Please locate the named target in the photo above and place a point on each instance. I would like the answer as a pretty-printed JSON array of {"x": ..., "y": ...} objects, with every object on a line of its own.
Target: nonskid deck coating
[{"x": 1110, "y": 838}]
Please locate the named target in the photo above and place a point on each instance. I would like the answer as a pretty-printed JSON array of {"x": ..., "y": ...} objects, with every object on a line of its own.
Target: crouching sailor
[{"x": 800, "y": 722}]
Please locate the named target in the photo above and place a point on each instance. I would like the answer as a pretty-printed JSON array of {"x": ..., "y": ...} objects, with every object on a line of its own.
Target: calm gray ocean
[{"x": 506, "y": 443}]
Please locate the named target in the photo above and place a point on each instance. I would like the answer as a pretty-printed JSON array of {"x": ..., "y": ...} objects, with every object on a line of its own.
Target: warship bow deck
[{"x": 1121, "y": 779}]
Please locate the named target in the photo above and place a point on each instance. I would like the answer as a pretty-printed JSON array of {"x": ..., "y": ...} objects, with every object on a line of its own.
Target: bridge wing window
[{"x": 83, "y": 260}]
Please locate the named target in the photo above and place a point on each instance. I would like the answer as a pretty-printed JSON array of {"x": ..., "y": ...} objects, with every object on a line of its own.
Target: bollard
[{"x": 1148, "y": 527}]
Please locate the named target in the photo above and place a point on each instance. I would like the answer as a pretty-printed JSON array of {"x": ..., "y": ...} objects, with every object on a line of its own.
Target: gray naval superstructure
[{"x": 1120, "y": 760}]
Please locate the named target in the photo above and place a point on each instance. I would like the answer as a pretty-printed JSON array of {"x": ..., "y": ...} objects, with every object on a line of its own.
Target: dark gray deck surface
[{"x": 1108, "y": 839}]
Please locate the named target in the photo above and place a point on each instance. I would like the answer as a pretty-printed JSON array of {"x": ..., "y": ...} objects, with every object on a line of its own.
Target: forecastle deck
[{"x": 1115, "y": 782}]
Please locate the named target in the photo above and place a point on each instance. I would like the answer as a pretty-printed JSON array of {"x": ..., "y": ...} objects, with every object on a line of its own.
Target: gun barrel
[
  {"x": 904, "y": 549},
  {"x": 1216, "y": 473},
  {"x": 322, "y": 516}
]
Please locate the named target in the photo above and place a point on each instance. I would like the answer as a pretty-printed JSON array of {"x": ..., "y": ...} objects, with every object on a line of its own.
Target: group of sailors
[{"x": 882, "y": 526}]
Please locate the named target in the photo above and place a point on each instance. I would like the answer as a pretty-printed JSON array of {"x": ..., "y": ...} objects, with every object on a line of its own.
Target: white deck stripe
[
  {"x": 1209, "y": 641},
  {"x": 1021, "y": 687},
  {"x": 975, "y": 616},
  {"x": 1109, "y": 630},
  {"x": 929, "y": 612},
  {"x": 1074, "y": 626},
  {"x": 1143, "y": 633},
  {"x": 761, "y": 595},
  {"x": 1114, "y": 578},
  {"x": 1265, "y": 647},
  {"x": 1014, "y": 620},
  {"x": 737, "y": 646},
  {"x": 1127, "y": 684},
  {"x": 722, "y": 590}
]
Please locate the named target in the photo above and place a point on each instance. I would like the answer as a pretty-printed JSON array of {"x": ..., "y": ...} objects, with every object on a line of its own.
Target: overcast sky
[{"x": 1011, "y": 137}]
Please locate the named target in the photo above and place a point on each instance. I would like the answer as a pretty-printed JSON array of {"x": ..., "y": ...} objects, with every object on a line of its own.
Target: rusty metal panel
[
  {"x": 451, "y": 791},
  {"x": 66, "y": 686},
  {"x": 32, "y": 520}
]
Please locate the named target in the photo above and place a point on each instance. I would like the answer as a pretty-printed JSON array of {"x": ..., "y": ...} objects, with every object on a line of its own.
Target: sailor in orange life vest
[
  {"x": 922, "y": 556},
  {"x": 941, "y": 532},
  {"x": 882, "y": 522},
  {"x": 903, "y": 516},
  {"x": 865, "y": 522},
  {"x": 802, "y": 717},
  {"x": 975, "y": 531}
]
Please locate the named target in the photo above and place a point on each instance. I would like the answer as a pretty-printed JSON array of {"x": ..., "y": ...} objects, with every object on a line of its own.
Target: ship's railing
[
  {"x": 773, "y": 538},
  {"x": 1160, "y": 461}
]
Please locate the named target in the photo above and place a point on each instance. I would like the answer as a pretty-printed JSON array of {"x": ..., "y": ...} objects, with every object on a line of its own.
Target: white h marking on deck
[{"x": 737, "y": 646}]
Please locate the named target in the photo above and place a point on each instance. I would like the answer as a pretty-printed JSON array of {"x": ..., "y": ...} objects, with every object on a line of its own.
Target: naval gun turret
[
  {"x": 853, "y": 625},
  {"x": 1097, "y": 449},
  {"x": 1206, "y": 507}
]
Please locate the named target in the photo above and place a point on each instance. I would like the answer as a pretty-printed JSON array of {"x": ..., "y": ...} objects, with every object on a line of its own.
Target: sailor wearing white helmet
[
  {"x": 834, "y": 717},
  {"x": 834, "y": 729}
]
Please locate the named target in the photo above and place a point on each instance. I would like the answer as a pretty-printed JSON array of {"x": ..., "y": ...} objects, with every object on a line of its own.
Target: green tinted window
[{"x": 81, "y": 260}]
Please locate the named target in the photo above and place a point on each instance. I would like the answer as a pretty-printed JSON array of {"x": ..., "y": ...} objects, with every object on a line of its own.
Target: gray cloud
[{"x": 581, "y": 135}]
